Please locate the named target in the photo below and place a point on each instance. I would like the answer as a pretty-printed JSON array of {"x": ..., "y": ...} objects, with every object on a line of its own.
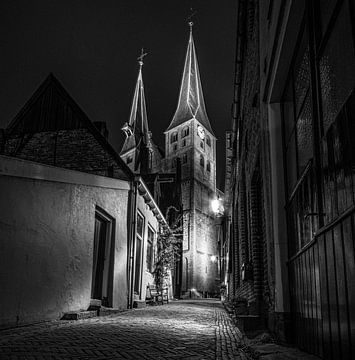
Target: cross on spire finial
[
  {"x": 141, "y": 57},
  {"x": 189, "y": 18}
]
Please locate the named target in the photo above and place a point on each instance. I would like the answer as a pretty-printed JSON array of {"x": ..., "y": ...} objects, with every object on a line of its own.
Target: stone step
[
  {"x": 79, "y": 315},
  {"x": 138, "y": 304},
  {"x": 103, "y": 311}
]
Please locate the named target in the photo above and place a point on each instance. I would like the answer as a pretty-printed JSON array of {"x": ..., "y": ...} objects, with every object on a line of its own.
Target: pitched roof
[
  {"x": 191, "y": 103},
  {"x": 51, "y": 108}
]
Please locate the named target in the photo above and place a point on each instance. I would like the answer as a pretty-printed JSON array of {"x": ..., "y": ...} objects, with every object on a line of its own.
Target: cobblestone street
[{"x": 179, "y": 330}]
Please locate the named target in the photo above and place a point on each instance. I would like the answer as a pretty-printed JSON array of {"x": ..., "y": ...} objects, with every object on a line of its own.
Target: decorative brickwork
[{"x": 248, "y": 247}]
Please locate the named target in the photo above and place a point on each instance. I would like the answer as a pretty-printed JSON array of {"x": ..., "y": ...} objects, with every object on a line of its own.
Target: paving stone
[{"x": 178, "y": 330}]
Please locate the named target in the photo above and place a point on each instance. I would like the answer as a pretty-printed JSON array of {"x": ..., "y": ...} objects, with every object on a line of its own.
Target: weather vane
[
  {"x": 141, "y": 57},
  {"x": 189, "y": 18}
]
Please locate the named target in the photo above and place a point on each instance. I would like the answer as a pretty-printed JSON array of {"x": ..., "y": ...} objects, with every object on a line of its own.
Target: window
[
  {"x": 173, "y": 137},
  {"x": 297, "y": 116},
  {"x": 208, "y": 166},
  {"x": 174, "y": 162},
  {"x": 185, "y": 132},
  {"x": 175, "y": 147},
  {"x": 202, "y": 144},
  {"x": 139, "y": 242},
  {"x": 129, "y": 159},
  {"x": 208, "y": 140},
  {"x": 150, "y": 242},
  {"x": 183, "y": 143},
  {"x": 184, "y": 159},
  {"x": 202, "y": 161},
  {"x": 150, "y": 159}
]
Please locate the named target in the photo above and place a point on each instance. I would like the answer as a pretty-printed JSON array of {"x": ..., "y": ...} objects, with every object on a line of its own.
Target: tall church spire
[
  {"x": 136, "y": 130},
  {"x": 191, "y": 103}
]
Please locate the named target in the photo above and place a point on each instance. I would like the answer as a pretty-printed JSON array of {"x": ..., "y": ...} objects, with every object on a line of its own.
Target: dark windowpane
[
  {"x": 338, "y": 169},
  {"x": 288, "y": 112},
  {"x": 304, "y": 136},
  {"x": 137, "y": 276},
  {"x": 336, "y": 67},
  {"x": 301, "y": 75},
  {"x": 326, "y": 9},
  {"x": 150, "y": 250},
  {"x": 140, "y": 222},
  {"x": 291, "y": 163}
]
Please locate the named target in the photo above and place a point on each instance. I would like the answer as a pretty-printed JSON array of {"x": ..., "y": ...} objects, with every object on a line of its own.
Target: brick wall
[
  {"x": 74, "y": 149},
  {"x": 249, "y": 223}
]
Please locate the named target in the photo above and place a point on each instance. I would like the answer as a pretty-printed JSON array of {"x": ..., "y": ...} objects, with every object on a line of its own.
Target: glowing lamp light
[
  {"x": 213, "y": 258},
  {"x": 215, "y": 205}
]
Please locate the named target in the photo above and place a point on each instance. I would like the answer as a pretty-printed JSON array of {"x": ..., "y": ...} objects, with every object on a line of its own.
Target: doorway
[{"x": 102, "y": 265}]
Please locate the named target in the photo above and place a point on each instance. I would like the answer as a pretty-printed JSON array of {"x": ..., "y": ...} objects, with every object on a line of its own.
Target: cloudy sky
[{"x": 91, "y": 46}]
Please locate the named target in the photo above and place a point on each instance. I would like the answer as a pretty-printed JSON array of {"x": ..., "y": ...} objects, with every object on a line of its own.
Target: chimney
[{"x": 101, "y": 126}]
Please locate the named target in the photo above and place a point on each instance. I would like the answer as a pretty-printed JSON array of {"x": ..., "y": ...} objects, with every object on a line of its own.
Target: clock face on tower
[{"x": 201, "y": 132}]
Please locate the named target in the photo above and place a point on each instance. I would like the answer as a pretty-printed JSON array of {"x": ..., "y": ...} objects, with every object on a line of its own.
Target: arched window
[
  {"x": 208, "y": 140},
  {"x": 208, "y": 166},
  {"x": 173, "y": 137},
  {"x": 202, "y": 161},
  {"x": 185, "y": 131}
]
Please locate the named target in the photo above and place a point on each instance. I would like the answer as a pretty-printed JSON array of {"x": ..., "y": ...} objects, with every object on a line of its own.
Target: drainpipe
[{"x": 132, "y": 243}]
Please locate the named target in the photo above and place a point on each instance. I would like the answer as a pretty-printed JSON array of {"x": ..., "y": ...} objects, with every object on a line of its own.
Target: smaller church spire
[{"x": 136, "y": 129}]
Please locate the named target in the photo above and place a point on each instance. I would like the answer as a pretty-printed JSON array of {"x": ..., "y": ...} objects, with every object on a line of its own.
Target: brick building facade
[{"x": 289, "y": 168}]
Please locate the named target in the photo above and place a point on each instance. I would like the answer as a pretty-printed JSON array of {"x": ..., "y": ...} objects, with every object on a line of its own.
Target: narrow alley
[{"x": 178, "y": 330}]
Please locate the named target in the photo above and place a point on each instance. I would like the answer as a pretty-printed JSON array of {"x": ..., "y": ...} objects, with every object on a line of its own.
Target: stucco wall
[{"x": 47, "y": 234}]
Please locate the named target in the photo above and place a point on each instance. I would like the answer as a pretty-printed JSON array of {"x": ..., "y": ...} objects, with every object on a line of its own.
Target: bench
[{"x": 153, "y": 295}]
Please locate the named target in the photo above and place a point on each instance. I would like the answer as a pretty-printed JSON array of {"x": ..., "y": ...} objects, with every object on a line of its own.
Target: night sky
[{"x": 91, "y": 46}]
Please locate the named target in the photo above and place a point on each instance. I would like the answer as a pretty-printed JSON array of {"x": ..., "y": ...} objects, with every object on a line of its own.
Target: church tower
[
  {"x": 190, "y": 138},
  {"x": 139, "y": 151}
]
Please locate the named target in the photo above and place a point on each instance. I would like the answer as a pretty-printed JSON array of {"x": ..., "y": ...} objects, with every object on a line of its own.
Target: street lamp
[{"x": 217, "y": 207}]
